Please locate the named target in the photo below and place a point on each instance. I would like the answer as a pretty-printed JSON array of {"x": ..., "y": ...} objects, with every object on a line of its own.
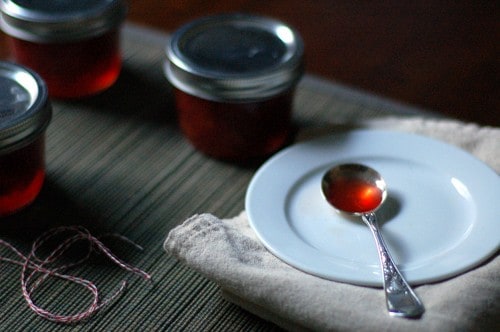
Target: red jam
[
  {"x": 22, "y": 173},
  {"x": 234, "y": 78},
  {"x": 235, "y": 131},
  {"x": 72, "y": 69},
  {"x": 354, "y": 195}
]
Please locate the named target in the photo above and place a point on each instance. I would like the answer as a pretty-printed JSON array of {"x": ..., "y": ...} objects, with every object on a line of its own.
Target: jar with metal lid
[
  {"x": 25, "y": 113},
  {"x": 234, "y": 78},
  {"x": 72, "y": 44}
]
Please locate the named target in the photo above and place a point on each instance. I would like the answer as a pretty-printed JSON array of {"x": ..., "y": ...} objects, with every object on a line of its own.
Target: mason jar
[
  {"x": 25, "y": 113},
  {"x": 234, "y": 79},
  {"x": 72, "y": 44}
]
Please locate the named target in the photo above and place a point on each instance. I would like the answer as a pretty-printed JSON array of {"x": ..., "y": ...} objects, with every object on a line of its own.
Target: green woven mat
[{"x": 118, "y": 163}]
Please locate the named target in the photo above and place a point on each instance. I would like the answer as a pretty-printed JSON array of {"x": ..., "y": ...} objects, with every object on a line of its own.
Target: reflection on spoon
[{"x": 360, "y": 190}]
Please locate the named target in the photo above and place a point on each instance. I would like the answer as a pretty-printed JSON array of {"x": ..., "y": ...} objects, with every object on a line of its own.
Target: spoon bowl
[
  {"x": 359, "y": 190},
  {"x": 354, "y": 188}
]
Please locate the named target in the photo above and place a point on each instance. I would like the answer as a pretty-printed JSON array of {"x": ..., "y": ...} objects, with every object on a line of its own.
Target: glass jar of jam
[
  {"x": 234, "y": 78},
  {"x": 25, "y": 113},
  {"x": 72, "y": 44}
]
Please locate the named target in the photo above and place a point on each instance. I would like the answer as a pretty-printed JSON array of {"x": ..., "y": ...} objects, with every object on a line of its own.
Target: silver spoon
[{"x": 360, "y": 190}]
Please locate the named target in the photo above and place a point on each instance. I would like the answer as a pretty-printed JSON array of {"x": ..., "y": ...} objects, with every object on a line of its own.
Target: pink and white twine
[{"x": 36, "y": 270}]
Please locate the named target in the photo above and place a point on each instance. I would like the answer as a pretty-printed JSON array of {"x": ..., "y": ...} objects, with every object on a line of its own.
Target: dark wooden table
[{"x": 441, "y": 56}]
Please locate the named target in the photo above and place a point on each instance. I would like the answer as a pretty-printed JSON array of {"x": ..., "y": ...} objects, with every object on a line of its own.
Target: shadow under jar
[
  {"x": 25, "y": 113},
  {"x": 72, "y": 44},
  {"x": 234, "y": 78}
]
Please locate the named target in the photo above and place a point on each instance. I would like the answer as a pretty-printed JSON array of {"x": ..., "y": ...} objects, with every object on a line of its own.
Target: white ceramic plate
[{"x": 440, "y": 219}]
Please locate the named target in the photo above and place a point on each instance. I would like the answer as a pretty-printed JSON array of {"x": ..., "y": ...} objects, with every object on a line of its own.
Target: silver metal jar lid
[
  {"x": 25, "y": 111},
  {"x": 60, "y": 20},
  {"x": 234, "y": 57}
]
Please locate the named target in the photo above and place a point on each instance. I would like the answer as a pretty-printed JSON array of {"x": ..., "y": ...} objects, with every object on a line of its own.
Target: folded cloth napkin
[{"x": 228, "y": 252}]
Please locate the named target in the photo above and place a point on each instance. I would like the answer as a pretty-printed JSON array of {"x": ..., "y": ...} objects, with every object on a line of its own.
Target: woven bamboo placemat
[{"x": 117, "y": 162}]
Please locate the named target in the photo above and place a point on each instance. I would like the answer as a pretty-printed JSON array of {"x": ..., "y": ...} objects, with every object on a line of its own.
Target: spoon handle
[{"x": 401, "y": 299}]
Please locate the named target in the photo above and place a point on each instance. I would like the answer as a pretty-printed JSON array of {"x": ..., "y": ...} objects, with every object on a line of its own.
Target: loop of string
[{"x": 35, "y": 270}]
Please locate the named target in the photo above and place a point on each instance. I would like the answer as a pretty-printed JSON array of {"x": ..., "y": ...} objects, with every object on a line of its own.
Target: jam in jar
[
  {"x": 25, "y": 113},
  {"x": 73, "y": 45},
  {"x": 234, "y": 78}
]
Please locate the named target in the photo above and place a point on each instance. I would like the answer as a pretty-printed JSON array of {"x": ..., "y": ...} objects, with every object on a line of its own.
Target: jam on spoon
[{"x": 360, "y": 190}]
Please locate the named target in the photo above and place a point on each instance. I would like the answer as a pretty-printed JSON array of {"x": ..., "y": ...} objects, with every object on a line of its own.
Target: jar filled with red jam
[
  {"x": 72, "y": 44},
  {"x": 25, "y": 113},
  {"x": 234, "y": 78}
]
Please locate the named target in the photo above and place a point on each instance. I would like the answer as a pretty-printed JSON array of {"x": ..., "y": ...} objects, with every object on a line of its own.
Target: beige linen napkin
[{"x": 228, "y": 252}]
